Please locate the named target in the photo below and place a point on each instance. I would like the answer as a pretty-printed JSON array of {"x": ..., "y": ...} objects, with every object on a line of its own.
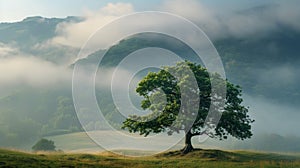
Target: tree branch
[{"x": 199, "y": 133}]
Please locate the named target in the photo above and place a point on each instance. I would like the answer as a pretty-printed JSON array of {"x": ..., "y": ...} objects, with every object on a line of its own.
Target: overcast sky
[{"x": 16, "y": 10}]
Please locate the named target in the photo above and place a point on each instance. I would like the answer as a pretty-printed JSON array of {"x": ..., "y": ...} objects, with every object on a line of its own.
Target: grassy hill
[{"x": 198, "y": 158}]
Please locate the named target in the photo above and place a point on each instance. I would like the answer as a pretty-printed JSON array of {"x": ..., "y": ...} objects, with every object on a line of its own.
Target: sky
[{"x": 16, "y": 10}]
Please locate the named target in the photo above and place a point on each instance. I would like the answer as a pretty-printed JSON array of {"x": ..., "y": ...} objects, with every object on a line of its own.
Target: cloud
[
  {"x": 243, "y": 23},
  {"x": 282, "y": 76},
  {"x": 76, "y": 34},
  {"x": 30, "y": 71},
  {"x": 8, "y": 51},
  {"x": 288, "y": 14},
  {"x": 106, "y": 77},
  {"x": 253, "y": 22},
  {"x": 196, "y": 12},
  {"x": 192, "y": 9},
  {"x": 273, "y": 117}
]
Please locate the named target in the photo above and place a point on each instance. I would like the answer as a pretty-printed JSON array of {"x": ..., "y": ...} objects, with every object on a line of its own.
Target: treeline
[
  {"x": 24, "y": 119},
  {"x": 28, "y": 115}
]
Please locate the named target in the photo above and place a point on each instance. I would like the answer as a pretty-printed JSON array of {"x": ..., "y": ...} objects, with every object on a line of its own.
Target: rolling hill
[
  {"x": 264, "y": 66},
  {"x": 198, "y": 158}
]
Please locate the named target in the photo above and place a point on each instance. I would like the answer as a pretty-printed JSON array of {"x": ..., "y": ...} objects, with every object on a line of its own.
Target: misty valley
[{"x": 259, "y": 50}]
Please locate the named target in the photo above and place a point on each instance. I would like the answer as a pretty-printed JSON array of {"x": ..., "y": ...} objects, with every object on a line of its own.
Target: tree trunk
[{"x": 188, "y": 143}]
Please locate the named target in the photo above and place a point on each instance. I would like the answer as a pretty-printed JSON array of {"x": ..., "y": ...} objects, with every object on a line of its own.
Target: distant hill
[
  {"x": 265, "y": 66},
  {"x": 31, "y": 30},
  {"x": 29, "y": 35}
]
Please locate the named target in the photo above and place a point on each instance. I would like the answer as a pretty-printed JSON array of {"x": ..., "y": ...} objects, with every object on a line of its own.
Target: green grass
[
  {"x": 198, "y": 158},
  {"x": 75, "y": 142},
  {"x": 80, "y": 142}
]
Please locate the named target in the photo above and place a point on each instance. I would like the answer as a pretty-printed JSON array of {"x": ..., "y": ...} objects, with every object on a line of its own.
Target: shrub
[{"x": 44, "y": 145}]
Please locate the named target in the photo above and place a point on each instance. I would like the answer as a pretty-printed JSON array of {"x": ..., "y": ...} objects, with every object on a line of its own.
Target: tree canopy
[
  {"x": 164, "y": 91},
  {"x": 44, "y": 145}
]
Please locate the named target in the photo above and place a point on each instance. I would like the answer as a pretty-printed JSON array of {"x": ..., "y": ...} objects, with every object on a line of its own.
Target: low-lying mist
[{"x": 259, "y": 48}]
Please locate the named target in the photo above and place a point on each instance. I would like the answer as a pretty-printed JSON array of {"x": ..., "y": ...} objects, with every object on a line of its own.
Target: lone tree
[
  {"x": 164, "y": 117},
  {"x": 44, "y": 145}
]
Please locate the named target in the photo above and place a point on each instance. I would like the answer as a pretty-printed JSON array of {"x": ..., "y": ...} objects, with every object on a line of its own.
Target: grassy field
[
  {"x": 80, "y": 143},
  {"x": 198, "y": 158}
]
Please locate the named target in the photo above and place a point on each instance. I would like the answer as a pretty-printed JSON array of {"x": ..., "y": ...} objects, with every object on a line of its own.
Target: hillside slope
[{"x": 198, "y": 158}]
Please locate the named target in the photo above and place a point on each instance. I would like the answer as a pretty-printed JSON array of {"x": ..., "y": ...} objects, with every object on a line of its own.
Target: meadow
[{"x": 198, "y": 158}]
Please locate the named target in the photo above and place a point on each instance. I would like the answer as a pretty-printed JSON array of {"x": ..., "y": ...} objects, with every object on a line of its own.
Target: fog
[
  {"x": 33, "y": 72},
  {"x": 273, "y": 117},
  {"x": 36, "y": 92},
  {"x": 281, "y": 76},
  {"x": 238, "y": 22},
  {"x": 216, "y": 22},
  {"x": 36, "y": 75},
  {"x": 76, "y": 34}
]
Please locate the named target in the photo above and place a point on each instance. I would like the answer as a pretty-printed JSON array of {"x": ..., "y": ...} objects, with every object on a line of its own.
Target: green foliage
[
  {"x": 28, "y": 115},
  {"x": 234, "y": 120},
  {"x": 15, "y": 130},
  {"x": 253, "y": 63},
  {"x": 65, "y": 116},
  {"x": 44, "y": 145}
]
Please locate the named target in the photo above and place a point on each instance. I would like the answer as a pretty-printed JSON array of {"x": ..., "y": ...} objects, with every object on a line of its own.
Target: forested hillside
[{"x": 265, "y": 66}]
